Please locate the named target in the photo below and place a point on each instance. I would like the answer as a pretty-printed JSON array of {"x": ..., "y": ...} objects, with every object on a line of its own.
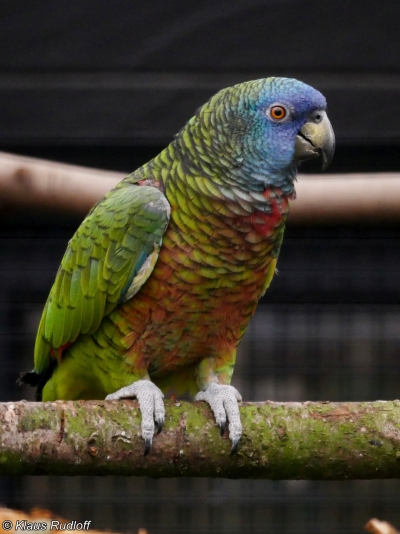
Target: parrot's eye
[{"x": 277, "y": 112}]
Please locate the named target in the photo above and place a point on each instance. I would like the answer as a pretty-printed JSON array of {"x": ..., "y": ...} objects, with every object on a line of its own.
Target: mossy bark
[{"x": 324, "y": 441}]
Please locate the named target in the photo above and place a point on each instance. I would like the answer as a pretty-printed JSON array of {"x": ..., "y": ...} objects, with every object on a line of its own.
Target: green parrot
[{"x": 158, "y": 284}]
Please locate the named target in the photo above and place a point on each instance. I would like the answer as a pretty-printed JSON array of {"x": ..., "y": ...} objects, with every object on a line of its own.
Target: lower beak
[{"x": 316, "y": 139}]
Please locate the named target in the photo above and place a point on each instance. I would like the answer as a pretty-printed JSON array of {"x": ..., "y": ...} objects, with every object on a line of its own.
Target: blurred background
[{"x": 107, "y": 84}]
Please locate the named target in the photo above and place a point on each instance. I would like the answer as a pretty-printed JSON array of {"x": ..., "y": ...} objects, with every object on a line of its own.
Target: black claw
[
  {"x": 159, "y": 426},
  {"x": 147, "y": 447},
  {"x": 235, "y": 446},
  {"x": 222, "y": 428}
]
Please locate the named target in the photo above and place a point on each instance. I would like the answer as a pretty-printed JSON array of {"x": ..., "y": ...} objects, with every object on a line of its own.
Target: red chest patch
[{"x": 265, "y": 223}]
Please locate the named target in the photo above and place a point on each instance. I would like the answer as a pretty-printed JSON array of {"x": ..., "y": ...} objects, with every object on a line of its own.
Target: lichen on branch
[{"x": 320, "y": 441}]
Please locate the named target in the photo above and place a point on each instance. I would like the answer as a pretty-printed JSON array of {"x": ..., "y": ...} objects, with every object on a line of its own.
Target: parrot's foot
[
  {"x": 151, "y": 404},
  {"x": 224, "y": 403}
]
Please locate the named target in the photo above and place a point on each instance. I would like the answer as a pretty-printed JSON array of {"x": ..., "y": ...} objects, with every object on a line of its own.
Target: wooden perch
[
  {"x": 35, "y": 183},
  {"x": 309, "y": 440},
  {"x": 321, "y": 199},
  {"x": 346, "y": 198}
]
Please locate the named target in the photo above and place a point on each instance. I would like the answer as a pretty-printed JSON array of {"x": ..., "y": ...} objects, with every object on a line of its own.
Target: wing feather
[{"x": 110, "y": 256}]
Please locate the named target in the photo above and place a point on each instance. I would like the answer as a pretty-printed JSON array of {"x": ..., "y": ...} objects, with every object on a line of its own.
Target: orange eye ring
[{"x": 278, "y": 113}]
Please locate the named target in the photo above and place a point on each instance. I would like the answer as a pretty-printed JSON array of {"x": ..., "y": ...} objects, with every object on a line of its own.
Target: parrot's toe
[
  {"x": 151, "y": 404},
  {"x": 235, "y": 446},
  {"x": 224, "y": 404},
  {"x": 147, "y": 446},
  {"x": 160, "y": 425}
]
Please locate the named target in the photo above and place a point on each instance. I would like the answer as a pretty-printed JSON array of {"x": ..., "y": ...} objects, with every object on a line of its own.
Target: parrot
[{"x": 159, "y": 282}]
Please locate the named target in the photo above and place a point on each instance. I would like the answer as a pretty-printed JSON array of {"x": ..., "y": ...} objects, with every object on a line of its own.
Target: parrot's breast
[{"x": 206, "y": 283}]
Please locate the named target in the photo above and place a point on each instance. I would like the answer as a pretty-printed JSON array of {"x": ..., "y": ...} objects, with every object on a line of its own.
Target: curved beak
[{"x": 315, "y": 139}]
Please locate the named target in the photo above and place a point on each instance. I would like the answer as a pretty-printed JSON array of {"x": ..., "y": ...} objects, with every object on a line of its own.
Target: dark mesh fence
[{"x": 327, "y": 330}]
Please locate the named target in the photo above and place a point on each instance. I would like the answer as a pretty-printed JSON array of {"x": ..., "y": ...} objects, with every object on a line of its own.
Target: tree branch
[
  {"x": 346, "y": 198},
  {"x": 34, "y": 183},
  {"x": 280, "y": 440},
  {"x": 321, "y": 199}
]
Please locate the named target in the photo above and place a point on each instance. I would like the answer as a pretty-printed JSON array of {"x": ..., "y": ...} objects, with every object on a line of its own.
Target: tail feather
[
  {"x": 38, "y": 380},
  {"x": 30, "y": 379}
]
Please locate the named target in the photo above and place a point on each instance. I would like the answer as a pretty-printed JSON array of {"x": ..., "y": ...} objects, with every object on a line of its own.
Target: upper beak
[{"x": 314, "y": 139}]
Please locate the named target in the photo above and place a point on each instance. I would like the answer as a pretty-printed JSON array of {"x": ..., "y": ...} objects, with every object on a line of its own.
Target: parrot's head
[{"x": 270, "y": 126}]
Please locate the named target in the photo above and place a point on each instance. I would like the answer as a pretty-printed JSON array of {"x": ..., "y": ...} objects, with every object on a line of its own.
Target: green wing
[{"x": 108, "y": 259}]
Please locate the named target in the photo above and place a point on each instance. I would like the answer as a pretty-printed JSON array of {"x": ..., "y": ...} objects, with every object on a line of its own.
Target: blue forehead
[{"x": 301, "y": 96}]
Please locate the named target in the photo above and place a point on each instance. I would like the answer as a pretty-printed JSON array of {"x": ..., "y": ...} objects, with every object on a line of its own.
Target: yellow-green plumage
[
  {"x": 163, "y": 276},
  {"x": 101, "y": 261}
]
